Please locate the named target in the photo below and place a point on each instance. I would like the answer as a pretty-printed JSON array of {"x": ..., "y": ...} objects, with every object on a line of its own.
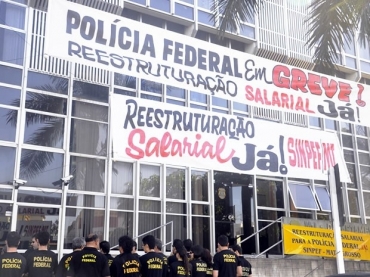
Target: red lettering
[
  {"x": 344, "y": 91},
  {"x": 159, "y": 147},
  {"x": 314, "y": 84},
  {"x": 249, "y": 93},
  {"x": 281, "y": 82},
  {"x": 299, "y": 80},
  {"x": 328, "y": 155},
  {"x": 329, "y": 88},
  {"x": 292, "y": 157}
]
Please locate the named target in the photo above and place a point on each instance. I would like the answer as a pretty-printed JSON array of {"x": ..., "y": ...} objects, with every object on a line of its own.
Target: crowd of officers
[{"x": 91, "y": 258}]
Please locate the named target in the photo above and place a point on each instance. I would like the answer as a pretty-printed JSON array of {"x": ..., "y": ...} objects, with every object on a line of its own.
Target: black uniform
[
  {"x": 171, "y": 259},
  {"x": 41, "y": 263},
  {"x": 226, "y": 262},
  {"x": 209, "y": 270},
  {"x": 199, "y": 268},
  {"x": 177, "y": 269},
  {"x": 165, "y": 264},
  {"x": 12, "y": 264},
  {"x": 246, "y": 266},
  {"x": 109, "y": 258},
  {"x": 88, "y": 262},
  {"x": 151, "y": 265},
  {"x": 125, "y": 265},
  {"x": 63, "y": 266}
]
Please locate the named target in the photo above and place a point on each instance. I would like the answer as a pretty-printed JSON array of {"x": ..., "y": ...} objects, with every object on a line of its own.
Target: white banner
[
  {"x": 96, "y": 38},
  {"x": 164, "y": 133}
]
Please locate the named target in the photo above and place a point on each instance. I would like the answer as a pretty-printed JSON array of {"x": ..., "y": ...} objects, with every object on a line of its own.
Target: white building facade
[{"x": 56, "y": 121}]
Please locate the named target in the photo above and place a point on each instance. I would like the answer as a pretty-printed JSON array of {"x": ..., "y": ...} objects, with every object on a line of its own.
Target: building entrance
[{"x": 234, "y": 208}]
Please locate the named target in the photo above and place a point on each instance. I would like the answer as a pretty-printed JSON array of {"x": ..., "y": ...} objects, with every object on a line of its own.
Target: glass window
[
  {"x": 46, "y": 103},
  {"x": 53, "y": 198},
  {"x": 347, "y": 141},
  {"x": 31, "y": 218},
  {"x": 120, "y": 203},
  {"x": 362, "y": 144},
  {"x": 330, "y": 124},
  {"x": 122, "y": 178},
  {"x": 150, "y": 206},
  {"x": 364, "y": 51},
  {"x": 302, "y": 196},
  {"x": 349, "y": 156},
  {"x": 323, "y": 198},
  {"x": 351, "y": 62},
  {"x": 7, "y": 161},
  {"x": 174, "y": 102},
  {"x": 270, "y": 193},
  {"x": 361, "y": 130},
  {"x": 5, "y": 194},
  {"x": 89, "y": 111},
  {"x": 345, "y": 127},
  {"x": 11, "y": 46},
  {"x": 205, "y": 4},
  {"x": 125, "y": 92},
  {"x": 201, "y": 228},
  {"x": 44, "y": 130},
  {"x": 179, "y": 227},
  {"x": 199, "y": 185},
  {"x": 247, "y": 31},
  {"x": 46, "y": 82},
  {"x": 151, "y": 97},
  {"x": 198, "y": 209},
  {"x": 8, "y": 123},
  {"x": 149, "y": 180},
  {"x": 353, "y": 202},
  {"x": 120, "y": 223},
  {"x": 314, "y": 121},
  {"x": 176, "y": 92},
  {"x": 240, "y": 107},
  {"x": 88, "y": 137},
  {"x": 174, "y": 27},
  {"x": 367, "y": 204},
  {"x": 90, "y": 91},
  {"x": 163, "y": 5},
  {"x": 198, "y": 97},
  {"x": 142, "y": 2},
  {"x": 352, "y": 173},
  {"x": 84, "y": 200},
  {"x": 175, "y": 183},
  {"x": 82, "y": 222},
  {"x": 205, "y": 18},
  {"x": 365, "y": 177},
  {"x": 364, "y": 158},
  {"x": 89, "y": 174},
  {"x": 10, "y": 96},
  {"x": 124, "y": 80},
  {"x": 175, "y": 208},
  {"x": 12, "y": 15},
  {"x": 216, "y": 101},
  {"x": 41, "y": 168},
  {"x": 10, "y": 75},
  {"x": 151, "y": 86},
  {"x": 184, "y": 11},
  {"x": 204, "y": 108},
  {"x": 148, "y": 222}
]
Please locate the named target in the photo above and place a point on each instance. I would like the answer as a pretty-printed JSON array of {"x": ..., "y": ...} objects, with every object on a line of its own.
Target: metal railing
[
  {"x": 148, "y": 232},
  {"x": 255, "y": 233}
]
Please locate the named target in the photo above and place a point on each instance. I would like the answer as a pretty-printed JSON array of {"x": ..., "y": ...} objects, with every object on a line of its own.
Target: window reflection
[
  {"x": 12, "y": 15},
  {"x": 10, "y": 96},
  {"x": 199, "y": 186},
  {"x": 122, "y": 178},
  {"x": 89, "y": 174},
  {"x": 10, "y": 75},
  {"x": 270, "y": 193},
  {"x": 124, "y": 80},
  {"x": 46, "y": 103},
  {"x": 11, "y": 46},
  {"x": 47, "y": 82},
  {"x": 81, "y": 222},
  {"x": 149, "y": 180},
  {"x": 41, "y": 197},
  {"x": 7, "y": 161},
  {"x": 90, "y": 91},
  {"x": 200, "y": 231},
  {"x": 175, "y": 183},
  {"x": 31, "y": 218},
  {"x": 353, "y": 202},
  {"x": 179, "y": 227},
  {"x": 120, "y": 223},
  {"x": 41, "y": 168},
  {"x": 8, "y": 123},
  {"x": 184, "y": 11}
]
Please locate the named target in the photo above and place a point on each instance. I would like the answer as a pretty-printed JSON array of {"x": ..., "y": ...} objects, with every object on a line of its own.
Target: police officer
[
  {"x": 77, "y": 245},
  {"x": 12, "y": 264},
  {"x": 89, "y": 262}
]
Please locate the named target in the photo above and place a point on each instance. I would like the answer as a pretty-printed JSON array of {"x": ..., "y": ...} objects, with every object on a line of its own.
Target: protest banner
[
  {"x": 95, "y": 38},
  {"x": 175, "y": 135}
]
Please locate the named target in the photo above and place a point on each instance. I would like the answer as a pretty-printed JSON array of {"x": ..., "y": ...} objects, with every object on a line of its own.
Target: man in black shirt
[
  {"x": 12, "y": 264},
  {"x": 246, "y": 266},
  {"x": 134, "y": 249},
  {"x": 77, "y": 245},
  {"x": 42, "y": 262},
  {"x": 177, "y": 244},
  {"x": 33, "y": 246},
  {"x": 199, "y": 267},
  {"x": 105, "y": 249},
  {"x": 151, "y": 262},
  {"x": 158, "y": 249},
  {"x": 188, "y": 244},
  {"x": 126, "y": 263},
  {"x": 89, "y": 262},
  {"x": 225, "y": 261}
]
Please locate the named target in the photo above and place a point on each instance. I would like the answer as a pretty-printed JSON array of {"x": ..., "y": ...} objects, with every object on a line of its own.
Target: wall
[{"x": 273, "y": 267}]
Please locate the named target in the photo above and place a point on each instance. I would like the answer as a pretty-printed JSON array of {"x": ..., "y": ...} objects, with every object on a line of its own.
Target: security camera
[
  {"x": 19, "y": 182},
  {"x": 67, "y": 179}
]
